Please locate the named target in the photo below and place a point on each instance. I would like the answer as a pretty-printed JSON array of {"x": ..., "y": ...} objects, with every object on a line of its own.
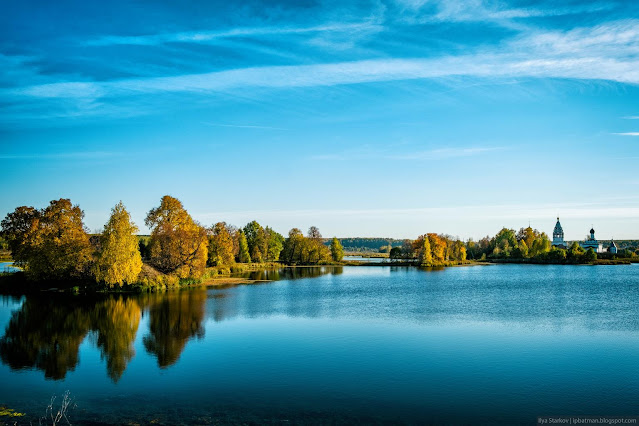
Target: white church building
[{"x": 589, "y": 242}]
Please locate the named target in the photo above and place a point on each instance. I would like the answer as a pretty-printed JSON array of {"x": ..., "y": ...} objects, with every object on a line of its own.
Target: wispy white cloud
[
  {"x": 84, "y": 155},
  {"x": 522, "y": 212},
  {"x": 367, "y": 152},
  {"x": 209, "y": 36},
  {"x": 607, "y": 52},
  {"x": 245, "y": 126},
  {"x": 627, "y": 134},
  {"x": 485, "y": 11},
  {"x": 443, "y": 153}
]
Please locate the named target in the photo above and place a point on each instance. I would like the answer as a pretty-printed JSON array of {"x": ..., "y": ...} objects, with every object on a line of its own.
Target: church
[
  {"x": 558, "y": 236},
  {"x": 589, "y": 242}
]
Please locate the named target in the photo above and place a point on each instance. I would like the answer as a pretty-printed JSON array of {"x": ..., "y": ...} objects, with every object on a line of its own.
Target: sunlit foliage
[
  {"x": 220, "y": 245},
  {"x": 337, "y": 251},
  {"x": 119, "y": 259},
  {"x": 50, "y": 243},
  {"x": 178, "y": 244},
  {"x": 243, "y": 256}
]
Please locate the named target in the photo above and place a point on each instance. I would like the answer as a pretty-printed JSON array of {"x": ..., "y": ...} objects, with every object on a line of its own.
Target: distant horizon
[{"x": 389, "y": 117}]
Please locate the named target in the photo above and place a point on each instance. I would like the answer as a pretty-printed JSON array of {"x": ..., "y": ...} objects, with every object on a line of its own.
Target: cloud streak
[
  {"x": 627, "y": 134},
  {"x": 210, "y": 36},
  {"x": 607, "y": 52}
]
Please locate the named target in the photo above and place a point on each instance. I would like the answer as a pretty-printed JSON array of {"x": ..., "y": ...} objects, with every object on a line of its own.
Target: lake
[
  {"x": 368, "y": 259},
  {"x": 379, "y": 344}
]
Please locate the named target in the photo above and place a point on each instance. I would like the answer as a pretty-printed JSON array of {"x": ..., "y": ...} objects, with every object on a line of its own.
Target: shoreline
[{"x": 15, "y": 284}]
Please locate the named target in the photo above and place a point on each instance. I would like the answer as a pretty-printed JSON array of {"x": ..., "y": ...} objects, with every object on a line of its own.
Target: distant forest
[{"x": 368, "y": 245}]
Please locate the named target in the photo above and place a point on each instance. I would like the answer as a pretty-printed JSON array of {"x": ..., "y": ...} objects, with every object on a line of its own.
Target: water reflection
[
  {"x": 47, "y": 331},
  {"x": 291, "y": 273},
  {"x": 174, "y": 319},
  {"x": 115, "y": 322},
  {"x": 45, "y": 334}
]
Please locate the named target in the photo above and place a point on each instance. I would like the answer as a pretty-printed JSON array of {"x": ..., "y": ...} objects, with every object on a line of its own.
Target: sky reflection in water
[{"x": 499, "y": 343}]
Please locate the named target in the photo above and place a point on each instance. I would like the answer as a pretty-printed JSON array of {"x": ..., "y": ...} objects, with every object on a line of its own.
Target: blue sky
[{"x": 367, "y": 118}]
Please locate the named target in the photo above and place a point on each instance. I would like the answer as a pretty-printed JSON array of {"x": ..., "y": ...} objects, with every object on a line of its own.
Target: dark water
[
  {"x": 368, "y": 259},
  {"x": 492, "y": 344}
]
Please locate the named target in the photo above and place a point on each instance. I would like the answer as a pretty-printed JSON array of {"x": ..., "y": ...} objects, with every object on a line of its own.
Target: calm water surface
[{"x": 486, "y": 344}]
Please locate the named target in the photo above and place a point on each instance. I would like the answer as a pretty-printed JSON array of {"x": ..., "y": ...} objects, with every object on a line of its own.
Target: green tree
[
  {"x": 506, "y": 241},
  {"x": 244, "y": 256},
  {"x": 575, "y": 252},
  {"x": 540, "y": 245},
  {"x": 527, "y": 235},
  {"x": 179, "y": 245},
  {"x": 275, "y": 244},
  {"x": 256, "y": 240},
  {"x": 337, "y": 251},
  {"x": 395, "y": 253},
  {"x": 293, "y": 246},
  {"x": 521, "y": 251},
  {"x": 557, "y": 255},
  {"x": 590, "y": 255},
  {"x": 119, "y": 259}
]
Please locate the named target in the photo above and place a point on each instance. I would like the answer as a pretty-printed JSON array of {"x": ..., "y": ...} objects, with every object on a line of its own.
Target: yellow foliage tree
[
  {"x": 437, "y": 247},
  {"x": 220, "y": 246},
  {"x": 50, "y": 243},
  {"x": 119, "y": 260},
  {"x": 179, "y": 245}
]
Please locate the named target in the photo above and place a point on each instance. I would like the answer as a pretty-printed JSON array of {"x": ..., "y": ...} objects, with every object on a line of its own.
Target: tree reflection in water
[
  {"x": 46, "y": 332},
  {"x": 174, "y": 319}
]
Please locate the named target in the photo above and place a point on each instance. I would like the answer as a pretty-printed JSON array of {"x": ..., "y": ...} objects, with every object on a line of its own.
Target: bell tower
[{"x": 558, "y": 236}]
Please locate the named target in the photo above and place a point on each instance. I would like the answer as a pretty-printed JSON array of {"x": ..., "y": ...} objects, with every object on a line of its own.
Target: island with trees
[{"x": 53, "y": 248}]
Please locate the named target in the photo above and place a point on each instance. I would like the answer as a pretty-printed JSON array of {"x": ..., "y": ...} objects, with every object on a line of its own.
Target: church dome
[
  {"x": 592, "y": 230},
  {"x": 558, "y": 228}
]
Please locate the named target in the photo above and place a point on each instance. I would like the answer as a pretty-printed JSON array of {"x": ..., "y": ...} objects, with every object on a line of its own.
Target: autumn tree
[
  {"x": 437, "y": 247},
  {"x": 521, "y": 251},
  {"x": 337, "y": 251},
  {"x": 244, "y": 256},
  {"x": 178, "y": 244},
  {"x": 220, "y": 245},
  {"x": 119, "y": 259},
  {"x": 426, "y": 258},
  {"x": 313, "y": 249},
  {"x": 540, "y": 245},
  {"x": 528, "y": 235},
  {"x": 51, "y": 243},
  {"x": 293, "y": 246}
]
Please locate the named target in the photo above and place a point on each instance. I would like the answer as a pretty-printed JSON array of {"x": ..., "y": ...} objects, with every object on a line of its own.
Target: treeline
[
  {"x": 431, "y": 250},
  {"x": 369, "y": 245},
  {"x": 53, "y": 244},
  {"x": 530, "y": 244}
]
